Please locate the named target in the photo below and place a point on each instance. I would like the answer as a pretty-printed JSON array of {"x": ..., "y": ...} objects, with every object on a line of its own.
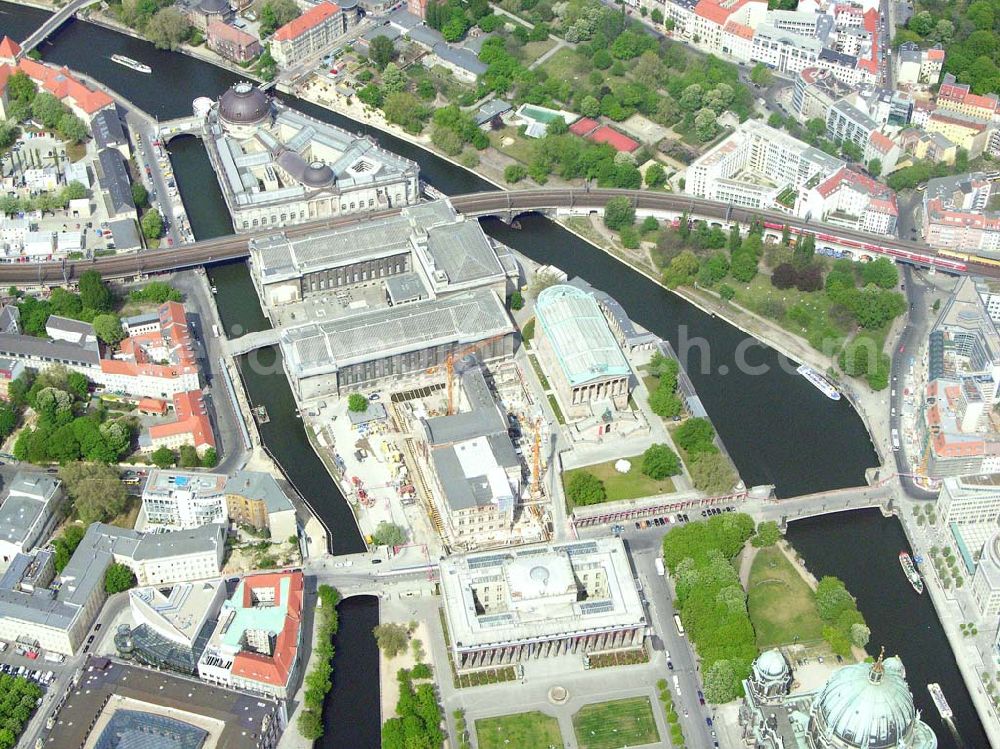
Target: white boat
[
  {"x": 943, "y": 708},
  {"x": 910, "y": 570},
  {"x": 822, "y": 384},
  {"x": 128, "y": 62}
]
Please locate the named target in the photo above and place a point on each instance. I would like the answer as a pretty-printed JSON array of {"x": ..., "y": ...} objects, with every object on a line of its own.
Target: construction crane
[
  {"x": 536, "y": 459},
  {"x": 449, "y": 364}
]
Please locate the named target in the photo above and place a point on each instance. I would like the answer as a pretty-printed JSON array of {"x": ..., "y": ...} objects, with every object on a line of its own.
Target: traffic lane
[{"x": 690, "y": 711}]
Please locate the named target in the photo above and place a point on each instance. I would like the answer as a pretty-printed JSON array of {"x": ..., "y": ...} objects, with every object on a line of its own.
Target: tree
[
  {"x": 118, "y": 578},
  {"x": 860, "y": 634},
  {"x": 108, "y": 328},
  {"x": 66, "y": 544},
  {"x": 696, "y": 435},
  {"x": 805, "y": 250},
  {"x": 20, "y": 87},
  {"x": 590, "y": 106},
  {"x": 721, "y": 684},
  {"x": 95, "y": 490},
  {"x": 514, "y": 173},
  {"x": 140, "y": 196},
  {"x": 711, "y": 473},
  {"x": 389, "y": 534},
  {"x": 94, "y": 293},
  {"x": 784, "y": 276},
  {"x": 882, "y": 272},
  {"x": 656, "y": 15},
  {"x": 659, "y": 462},
  {"x": 209, "y": 458},
  {"x": 393, "y": 79},
  {"x": 656, "y": 175},
  {"x": 832, "y": 598},
  {"x": 357, "y": 403},
  {"x": 767, "y": 534},
  {"x": 47, "y": 109},
  {"x": 267, "y": 66},
  {"x": 72, "y": 128},
  {"x": 381, "y": 51},
  {"x": 275, "y": 13},
  {"x": 727, "y": 292},
  {"x": 188, "y": 457},
  {"x": 168, "y": 28},
  {"x": 744, "y": 266},
  {"x": 761, "y": 75},
  {"x": 618, "y": 213},
  {"x": 392, "y": 638},
  {"x": 875, "y": 167},
  {"x": 163, "y": 457},
  {"x": 152, "y": 224},
  {"x": 585, "y": 488},
  {"x": 682, "y": 269}
]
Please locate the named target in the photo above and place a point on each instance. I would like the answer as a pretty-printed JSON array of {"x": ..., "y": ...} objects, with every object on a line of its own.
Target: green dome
[
  {"x": 771, "y": 664},
  {"x": 867, "y": 706}
]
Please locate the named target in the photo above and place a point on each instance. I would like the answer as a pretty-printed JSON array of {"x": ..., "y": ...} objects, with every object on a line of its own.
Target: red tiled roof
[
  {"x": 192, "y": 418},
  {"x": 9, "y": 48},
  {"x": 882, "y": 142},
  {"x": 274, "y": 669},
  {"x": 881, "y": 198},
  {"x": 713, "y": 11},
  {"x": 225, "y": 32},
  {"x": 739, "y": 29},
  {"x": 153, "y": 405},
  {"x": 968, "y": 123},
  {"x": 584, "y": 127},
  {"x": 60, "y": 83},
  {"x": 619, "y": 142},
  {"x": 935, "y": 54},
  {"x": 307, "y": 21}
]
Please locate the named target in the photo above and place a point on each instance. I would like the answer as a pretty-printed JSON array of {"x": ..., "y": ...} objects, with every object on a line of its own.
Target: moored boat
[
  {"x": 911, "y": 572},
  {"x": 822, "y": 384}
]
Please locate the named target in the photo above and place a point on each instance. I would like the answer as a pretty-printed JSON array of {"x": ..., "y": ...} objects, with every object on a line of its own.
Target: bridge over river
[{"x": 506, "y": 205}]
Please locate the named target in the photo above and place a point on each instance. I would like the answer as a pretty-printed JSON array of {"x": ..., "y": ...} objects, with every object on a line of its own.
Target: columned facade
[{"x": 503, "y": 654}]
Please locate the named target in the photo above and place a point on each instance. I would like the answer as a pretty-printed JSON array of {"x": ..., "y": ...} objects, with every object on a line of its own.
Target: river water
[{"x": 778, "y": 428}]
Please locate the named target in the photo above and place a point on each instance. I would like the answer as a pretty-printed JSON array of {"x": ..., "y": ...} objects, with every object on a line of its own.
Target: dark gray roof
[
  {"x": 23, "y": 346},
  {"x": 114, "y": 179},
  {"x": 244, "y": 103},
  {"x": 404, "y": 19},
  {"x": 425, "y": 35},
  {"x": 475, "y": 43},
  {"x": 838, "y": 58},
  {"x": 461, "y": 491},
  {"x": 406, "y": 287},
  {"x": 308, "y": 173},
  {"x": 125, "y": 234},
  {"x": 392, "y": 33},
  {"x": 217, "y": 7},
  {"x": 259, "y": 485},
  {"x": 107, "y": 128},
  {"x": 463, "y": 252},
  {"x": 145, "y": 319},
  {"x": 68, "y": 325},
  {"x": 483, "y": 418},
  {"x": 10, "y": 319},
  {"x": 459, "y": 57},
  {"x": 491, "y": 109}
]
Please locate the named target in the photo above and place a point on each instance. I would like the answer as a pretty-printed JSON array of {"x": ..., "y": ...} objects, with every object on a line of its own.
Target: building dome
[
  {"x": 865, "y": 705},
  {"x": 244, "y": 104},
  {"x": 317, "y": 174},
  {"x": 771, "y": 664},
  {"x": 213, "y": 7}
]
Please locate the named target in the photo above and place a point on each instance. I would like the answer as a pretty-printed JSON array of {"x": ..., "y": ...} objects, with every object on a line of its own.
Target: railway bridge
[{"x": 507, "y": 205}]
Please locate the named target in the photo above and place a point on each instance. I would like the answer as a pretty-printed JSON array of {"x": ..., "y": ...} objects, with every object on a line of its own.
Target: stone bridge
[{"x": 54, "y": 21}]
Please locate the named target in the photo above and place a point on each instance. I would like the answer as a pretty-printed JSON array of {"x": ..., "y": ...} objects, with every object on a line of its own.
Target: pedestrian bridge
[
  {"x": 251, "y": 341},
  {"x": 52, "y": 24}
]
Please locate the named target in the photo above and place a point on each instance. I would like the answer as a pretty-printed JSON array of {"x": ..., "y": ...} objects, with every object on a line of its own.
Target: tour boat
[
  {"x": 822, "y": 384},
  {"x": 911, "y": 572},
  {"x": 943, "y": 708},
  {"x": 128, "y": 62}
]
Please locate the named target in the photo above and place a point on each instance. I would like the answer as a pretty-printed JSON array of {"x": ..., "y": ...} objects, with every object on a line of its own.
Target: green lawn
[
  {"x": 556, "y": 410},
  {"x": 522, "y": 149},
  {"x": 532, "y": 730},
  {"x": 624, "y": 485},
  {"x": 780, "y": 602},
  {"x": 616, "y": 724}
]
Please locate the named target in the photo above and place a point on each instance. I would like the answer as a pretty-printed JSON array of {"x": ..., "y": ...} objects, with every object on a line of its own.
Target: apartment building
[
  {"x": 855, "y": 201},
  {"x": 968, "y": 132},
  {"x": 28, "y": 514},
  {"x": 816, "y": 91},
  {"x": 849, "y": 120},
  {"x": 918, "y": 66},
  {"x": 784, "y": 50},
  {"x": 958, "y": 97},
  {"x": 956, "y": 214},
  {"x": 755, "y": 164},
  {"x": 968, "y": 500},
  {"x": 191, "y": 424},
  {"x": 312, "y": 33}
]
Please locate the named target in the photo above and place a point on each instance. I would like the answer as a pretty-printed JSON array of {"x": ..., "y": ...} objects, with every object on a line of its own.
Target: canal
[{"x": 778, "y": 428}]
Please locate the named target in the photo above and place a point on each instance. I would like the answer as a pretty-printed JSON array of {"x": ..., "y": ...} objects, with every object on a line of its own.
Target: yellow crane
[
  {"x": 449, "y": 364},
  {"x": 536, "y": 459}
]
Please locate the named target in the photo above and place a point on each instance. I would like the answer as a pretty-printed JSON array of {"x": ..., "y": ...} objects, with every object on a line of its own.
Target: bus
[
  {"x": 677, "y": 623},
  {"x": 659, "y": 566},
  {"x": 895, "y": 439}
]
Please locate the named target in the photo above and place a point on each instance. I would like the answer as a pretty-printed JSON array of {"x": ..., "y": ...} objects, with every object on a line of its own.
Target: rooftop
[
  {"x": 579, "y": 334},
  {"x": 260, "y": 486},
  {"x": 309, "y": 20}
]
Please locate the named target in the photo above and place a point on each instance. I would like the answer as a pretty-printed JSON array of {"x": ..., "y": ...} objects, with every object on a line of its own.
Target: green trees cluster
[
  {"x": 453, "y": 128},
  {"x": 921, "y": 171},
  {"x": 585, "y": 488},
  {"x": 659, "y": 462},
  {"x": 95, "y": 491},
  {"x": 392, "y": 638},
  {"x": 65, "y": 544},
  {"x": 317, "y": 683},
  {"x": 453, "y": 18},
  {"x": 619, "y": 213},
  {"x": 768, "y": 534},
  {"x": 711, "y": 472},
  {"x": 118, "y": 578},
  {"x": 152, "y": 224},
  {"x": 17, "y": 703},
  {"x": 54, "y": 115},
  {"x": 66, "y": 430},
  {"x": 664, "y": 400},
  {"x": 272, "y": 14},
  {"x": 357, "y": 403},
  {"x": 156, "y": 292},
  {"x": 93, "y": 299},
  {"x": 844, "y": 625},
  {"x": 185, "y": 457},
  {"x": 419, "y": 716},
  {"x": 168, "y": 28},
  {"x": 685, "y": 266},
  {"x": 46, "y": 202},
  {"x": 711, "y": 600},
  {"x": 389, "y": 534},
  {"x": 969, "y": 33}
]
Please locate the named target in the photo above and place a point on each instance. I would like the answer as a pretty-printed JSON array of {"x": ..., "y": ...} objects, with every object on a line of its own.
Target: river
[{"x": 778, "y": 428}]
